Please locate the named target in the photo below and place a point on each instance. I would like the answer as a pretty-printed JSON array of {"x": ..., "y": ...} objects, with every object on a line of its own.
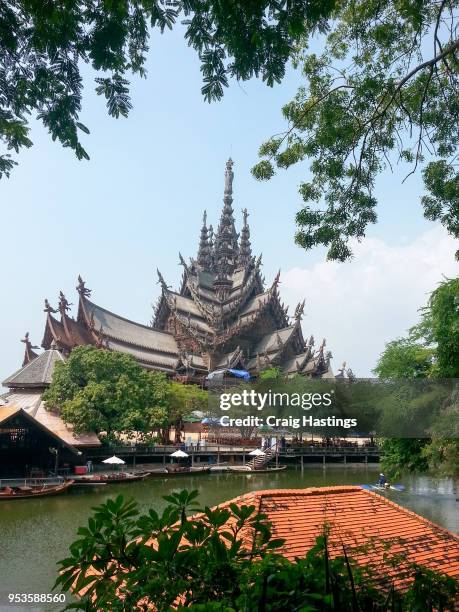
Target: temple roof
[
  {"x": 274, "y": 341},
  {"x": 118, "y": 328},
  {"x": 37, "y": 373},
  {"x": 151, "y": 359}
]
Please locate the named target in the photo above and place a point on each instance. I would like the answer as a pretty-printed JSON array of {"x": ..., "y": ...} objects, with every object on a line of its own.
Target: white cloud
[{"x": 361, "y": 305}]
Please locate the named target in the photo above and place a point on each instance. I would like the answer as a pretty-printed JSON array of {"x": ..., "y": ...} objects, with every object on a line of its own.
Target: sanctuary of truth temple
[{"x": 222, "y": 317}]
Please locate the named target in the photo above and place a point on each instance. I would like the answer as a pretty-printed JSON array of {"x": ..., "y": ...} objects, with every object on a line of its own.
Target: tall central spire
[{"x": 226, "y": 245}]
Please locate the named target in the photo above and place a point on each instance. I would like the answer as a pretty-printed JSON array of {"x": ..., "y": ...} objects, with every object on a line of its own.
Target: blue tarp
[
  {"x": 219, "y": 374},
  {"x": 240, "y": 374}
]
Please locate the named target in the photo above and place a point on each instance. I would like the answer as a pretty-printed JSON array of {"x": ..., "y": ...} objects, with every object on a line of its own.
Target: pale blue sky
[{"x": 139, "y": 200}]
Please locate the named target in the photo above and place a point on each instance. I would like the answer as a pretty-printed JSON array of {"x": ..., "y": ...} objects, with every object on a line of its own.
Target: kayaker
[{"x": 382, "y": 480}]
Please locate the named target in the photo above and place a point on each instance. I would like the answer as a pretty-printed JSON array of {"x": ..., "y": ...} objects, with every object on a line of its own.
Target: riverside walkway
[{"x": 216, "y": 454}]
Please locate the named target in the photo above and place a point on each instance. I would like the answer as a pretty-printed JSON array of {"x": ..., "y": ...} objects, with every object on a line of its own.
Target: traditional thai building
[
  {"x": 223, "y": 316},
  {"x": 31, "y": 436}
]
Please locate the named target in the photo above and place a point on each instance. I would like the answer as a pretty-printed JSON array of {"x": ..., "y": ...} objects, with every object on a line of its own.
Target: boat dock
[{"x": 214, "y": 454}]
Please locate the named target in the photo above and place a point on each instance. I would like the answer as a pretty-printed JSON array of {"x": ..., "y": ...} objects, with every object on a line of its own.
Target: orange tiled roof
[
  {"x": 355, "y": 517},
  {"x": 369, "y": 525}
]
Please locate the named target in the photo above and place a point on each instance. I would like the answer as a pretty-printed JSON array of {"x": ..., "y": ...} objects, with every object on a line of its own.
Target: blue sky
[{"x": 139, "y": 200}]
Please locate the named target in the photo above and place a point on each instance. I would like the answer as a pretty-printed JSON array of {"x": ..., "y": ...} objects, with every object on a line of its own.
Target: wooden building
[
  {"x": 32, "y": 438},
  {"x": 222, "y": 316}
]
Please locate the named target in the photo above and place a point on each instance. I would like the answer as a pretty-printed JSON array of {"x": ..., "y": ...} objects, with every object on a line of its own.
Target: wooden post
[{"x": 323, "y": 460}]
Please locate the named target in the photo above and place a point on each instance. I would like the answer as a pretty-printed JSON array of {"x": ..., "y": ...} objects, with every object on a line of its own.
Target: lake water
[{"x": 35, "y": 534}]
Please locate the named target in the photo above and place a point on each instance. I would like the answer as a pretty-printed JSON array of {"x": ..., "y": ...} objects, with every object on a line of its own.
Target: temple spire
[
  {"x": 245, "y": 249},
  {"x": 226, "y": 245},
  {"x": 204, "y": 247}
]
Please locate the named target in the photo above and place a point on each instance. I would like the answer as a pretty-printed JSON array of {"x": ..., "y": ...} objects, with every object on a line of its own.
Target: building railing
[{"x": 160, "y": 450}]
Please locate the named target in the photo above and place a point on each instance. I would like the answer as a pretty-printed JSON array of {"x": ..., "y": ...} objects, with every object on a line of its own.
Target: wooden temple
[{"x": 222, "y": 316}]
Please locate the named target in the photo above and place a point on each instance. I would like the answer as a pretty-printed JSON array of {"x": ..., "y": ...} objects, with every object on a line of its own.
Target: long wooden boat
[
  {"x": 243, "y": 469},
  {"x": 114, "y": 478},
  {"x": 174, "y": 470},
  {"x": 27, "y": 491}
]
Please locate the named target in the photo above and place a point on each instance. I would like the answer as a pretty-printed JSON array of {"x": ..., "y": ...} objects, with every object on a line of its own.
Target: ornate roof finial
[
  {"x": 245, "y": 249},
  {"x": 29, "y": 353},
  {"x": 162, "y": 282},
  {"x": 27, "y": 341},
  {"x": 64, "y": 305},
  {"x": 48, "y": 308},
  {"x": 229, "y": 175},
  {"x": 204, "y": 259},
  {"x": 82, "y": 290},
  {"x": 299, "y": 311},
  {"x": 183, "y": 262}
]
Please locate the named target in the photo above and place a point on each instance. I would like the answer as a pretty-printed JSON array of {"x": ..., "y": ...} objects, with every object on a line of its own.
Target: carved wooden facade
[{"x": 222, "y": 316}]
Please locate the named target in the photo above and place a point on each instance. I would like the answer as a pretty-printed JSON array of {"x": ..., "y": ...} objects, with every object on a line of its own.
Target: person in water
[{"x": 382, "y": 482}]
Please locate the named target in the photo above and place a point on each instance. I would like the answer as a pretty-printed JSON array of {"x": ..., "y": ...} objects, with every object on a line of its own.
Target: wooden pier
[{"x": 215, "y": 454}]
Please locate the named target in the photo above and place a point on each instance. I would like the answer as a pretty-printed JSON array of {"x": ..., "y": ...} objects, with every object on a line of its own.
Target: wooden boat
[
  {"x": 40, "y": 490},
  {"x": 114, "y": 478},
  {"x": 244, "y": 469},
  {"x": 175, "y": 470}
]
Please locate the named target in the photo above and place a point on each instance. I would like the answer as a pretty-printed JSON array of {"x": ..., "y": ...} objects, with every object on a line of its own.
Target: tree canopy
[
  {"x": 431, "y": 350},
  {"x": 43, "y": 45},
  {"x": 110, "y": 393},
  {"x": 200, "y": 563},
  {"x": 384, "y": 90}
]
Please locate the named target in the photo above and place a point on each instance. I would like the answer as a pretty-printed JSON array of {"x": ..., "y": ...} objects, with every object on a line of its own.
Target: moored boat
[
  {"x": 114, "y": 478},
  {"x": 245, "y": 469},
  {"x": 33, "y": 488},
  {"x": 175, "y": 470}
]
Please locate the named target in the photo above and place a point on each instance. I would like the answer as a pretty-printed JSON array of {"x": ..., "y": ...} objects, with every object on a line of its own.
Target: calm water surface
[{"x": 35, "y": 534}]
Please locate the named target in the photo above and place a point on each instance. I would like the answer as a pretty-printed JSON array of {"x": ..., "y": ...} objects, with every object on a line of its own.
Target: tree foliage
[
  {"x": 123, "y": 561},
  {"x": 405, "y": 358},
  {"x": 383, "y": 91},
  {"x": 181, "y": 402},
  {"x": 104, "y": 391},
  {"x": 431, "y": 350},
  {"x": 43, "y": 45}
]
